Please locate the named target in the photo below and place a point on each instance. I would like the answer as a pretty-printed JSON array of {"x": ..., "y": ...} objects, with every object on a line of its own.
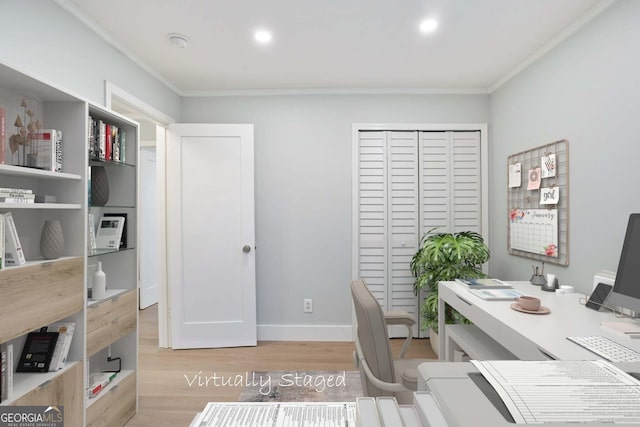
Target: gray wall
[
  {"x": 303, "y": 188},
  {"x": 588, "y": 91},
  {"x": 42, "y": 39}
]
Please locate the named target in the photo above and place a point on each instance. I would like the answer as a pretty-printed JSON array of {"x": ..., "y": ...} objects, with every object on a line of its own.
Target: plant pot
[{"x": 433, "y": 339}]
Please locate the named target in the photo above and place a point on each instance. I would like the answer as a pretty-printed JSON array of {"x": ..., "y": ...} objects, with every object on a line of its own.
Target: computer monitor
[{"x": 626, "y": 288}]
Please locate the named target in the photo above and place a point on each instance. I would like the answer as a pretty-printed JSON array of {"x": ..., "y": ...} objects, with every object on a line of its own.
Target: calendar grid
[{"x": 531, "y": 240}]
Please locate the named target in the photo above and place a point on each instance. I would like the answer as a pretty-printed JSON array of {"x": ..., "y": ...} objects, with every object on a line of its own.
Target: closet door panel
[
  {"x": 372, "y": 212},
  {"x": 403, "y": 223},
  {"x": 435, "y": 181},
  {"x": 466, "y": 178}
]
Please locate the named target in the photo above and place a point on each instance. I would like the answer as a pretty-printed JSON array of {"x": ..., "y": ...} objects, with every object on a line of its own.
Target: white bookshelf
[{"x": 65, "y": 281}]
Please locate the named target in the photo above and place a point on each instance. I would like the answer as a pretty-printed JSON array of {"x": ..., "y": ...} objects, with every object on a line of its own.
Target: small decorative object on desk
[
  {"x": 99, "y": 186},
  {"x": 51, "y": 240}
]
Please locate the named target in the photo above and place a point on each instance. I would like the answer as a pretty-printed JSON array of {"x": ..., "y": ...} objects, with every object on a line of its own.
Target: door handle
[{"x": 246, "y": 249}]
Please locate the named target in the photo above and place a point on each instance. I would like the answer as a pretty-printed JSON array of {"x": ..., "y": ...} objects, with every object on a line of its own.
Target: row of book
[
  {"x": 11, "y": 252},
  {"x": 45, "y": 350},
  {"x": 106, "y": 141}
]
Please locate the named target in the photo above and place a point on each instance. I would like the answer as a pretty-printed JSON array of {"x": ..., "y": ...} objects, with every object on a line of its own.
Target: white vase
[{"x": 99, "y": 289}]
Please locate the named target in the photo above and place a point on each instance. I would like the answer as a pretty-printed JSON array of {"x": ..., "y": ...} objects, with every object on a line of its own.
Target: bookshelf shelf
[
  {"x": 110, "y": 294},
  {"x": 23, "y": 383},
  {"x": 37, "y": 173},
  {"x": 67, "y": 206},
  {"x": 99, "y": 252},
  {"x": 94, "y": 162}
]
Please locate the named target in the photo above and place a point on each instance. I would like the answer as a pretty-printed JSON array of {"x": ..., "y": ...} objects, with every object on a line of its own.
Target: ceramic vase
[
  {"x": 51, "y": 240},
  {"x": 99, "y": 186},
  {"x": 99, "y": 286}
]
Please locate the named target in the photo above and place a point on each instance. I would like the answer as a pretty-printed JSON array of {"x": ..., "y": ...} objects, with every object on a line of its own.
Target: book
[
  {"x": 91, "y": 244},
  {"x": 65, "y": 332},
  {"x": 115, "y": 143},
  {"x": 17, "y": 200},
  {"x": 17, "y": 195},
  {"x": 102, "y": 140},
  {"x": 12, "y": 249},
  {"x": 37, "y": 352},
  {"x": 123, "y": 146},
  {"x": 1, "y": 242},
  {"x": 47, "y": 146},
  {"x": 496, "y": 294},
  {"x": 109, "y": 232},
  {"x": 9, "y": 372},
  {"x": 484, "y": 283},
  {"x": 3, "y": 133},
  {"x": 3, "y": 373},
  {"x": 109, "y": 142},
  {"x": 15, "y": 190}
]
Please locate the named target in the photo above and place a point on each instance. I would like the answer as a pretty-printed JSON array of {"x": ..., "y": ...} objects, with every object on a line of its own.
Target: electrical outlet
[{"x": 308, "y": 305}]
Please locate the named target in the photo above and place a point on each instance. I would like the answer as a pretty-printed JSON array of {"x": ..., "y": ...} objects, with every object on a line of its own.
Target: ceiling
[{"x": 340, "y": 45}]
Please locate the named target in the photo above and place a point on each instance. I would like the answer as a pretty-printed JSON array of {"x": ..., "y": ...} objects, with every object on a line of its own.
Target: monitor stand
[{"x": 630, "y": 329}]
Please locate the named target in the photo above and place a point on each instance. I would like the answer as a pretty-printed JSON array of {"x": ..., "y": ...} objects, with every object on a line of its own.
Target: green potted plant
[{"x": 443, "y": 257}]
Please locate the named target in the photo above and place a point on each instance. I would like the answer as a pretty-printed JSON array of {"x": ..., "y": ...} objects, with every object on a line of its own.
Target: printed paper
[
  {"x": 534, "y": 179},
  {"x": 550, "y": 196},
  {"x": 515, "y": 175},
  {"x": 548, "y": 164}
]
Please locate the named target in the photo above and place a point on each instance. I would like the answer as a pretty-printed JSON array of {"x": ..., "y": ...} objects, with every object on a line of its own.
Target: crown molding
[
  {"x": 73, "y": 9},
  {"x": 335, "y": 91},
  {"x": 584, "y": 19}
]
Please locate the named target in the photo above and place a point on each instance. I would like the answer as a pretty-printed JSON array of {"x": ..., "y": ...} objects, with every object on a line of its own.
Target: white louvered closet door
[
  {"x": 408, "y": 183},
  {"x": 388, "y": 217},
  {"x": 450, "y": 180}
]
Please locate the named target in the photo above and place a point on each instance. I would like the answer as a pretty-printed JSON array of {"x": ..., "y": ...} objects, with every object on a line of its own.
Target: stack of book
[{"x": 17, "y": 195}]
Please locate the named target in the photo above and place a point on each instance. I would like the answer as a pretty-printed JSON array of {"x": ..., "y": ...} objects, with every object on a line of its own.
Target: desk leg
[{"x": 441, "y": 331}]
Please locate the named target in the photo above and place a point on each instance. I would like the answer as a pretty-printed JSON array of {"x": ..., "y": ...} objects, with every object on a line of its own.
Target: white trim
[
  {"x": 94, "y": 26},
  {"x": 112, "y": 91},
  {"x": 335, "y": 91},
  {"x": 564, "y": 34},
  {"x": 305, "y": 333}
]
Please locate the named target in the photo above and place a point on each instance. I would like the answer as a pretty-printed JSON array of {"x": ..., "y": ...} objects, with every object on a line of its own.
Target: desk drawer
[
  {"x": 110, "y": 320},
  {"x": 465, "y": 306}
]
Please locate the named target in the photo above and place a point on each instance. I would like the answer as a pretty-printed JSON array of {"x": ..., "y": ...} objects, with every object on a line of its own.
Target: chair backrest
[{"x": 373, "y": 337}]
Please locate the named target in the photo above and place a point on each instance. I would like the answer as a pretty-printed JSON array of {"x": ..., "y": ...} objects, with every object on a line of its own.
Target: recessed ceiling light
[
  {"x": 428, "y": 25},
  {"x": 178, "y": 40},
  {"x": 263, "y": 36}
]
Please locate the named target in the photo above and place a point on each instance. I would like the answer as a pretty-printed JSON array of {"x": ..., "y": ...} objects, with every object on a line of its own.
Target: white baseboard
[{"x": 305, "y": 333}]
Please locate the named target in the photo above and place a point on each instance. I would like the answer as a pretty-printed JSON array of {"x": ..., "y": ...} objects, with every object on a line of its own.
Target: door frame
[
  {"x": 484, "y": 174},
  {"x": 143, "y": 111}
]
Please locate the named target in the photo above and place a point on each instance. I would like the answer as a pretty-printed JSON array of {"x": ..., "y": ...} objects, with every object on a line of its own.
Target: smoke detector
[{"x": 178, "y": 40}]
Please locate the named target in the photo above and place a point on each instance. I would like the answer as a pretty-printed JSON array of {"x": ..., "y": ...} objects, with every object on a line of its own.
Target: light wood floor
[{"x": 166, "y": 399}]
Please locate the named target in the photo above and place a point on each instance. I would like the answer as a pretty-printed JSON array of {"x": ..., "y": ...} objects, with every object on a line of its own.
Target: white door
[
  {"x": 149, "y": 249},
  {"x": 210, "y": 235}
]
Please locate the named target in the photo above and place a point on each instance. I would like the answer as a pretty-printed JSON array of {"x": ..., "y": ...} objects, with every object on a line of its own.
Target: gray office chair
[{"x": 380, "y": 374}]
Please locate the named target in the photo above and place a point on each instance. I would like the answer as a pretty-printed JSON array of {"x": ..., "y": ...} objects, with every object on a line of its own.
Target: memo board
[{"x": 538, "y": 203}]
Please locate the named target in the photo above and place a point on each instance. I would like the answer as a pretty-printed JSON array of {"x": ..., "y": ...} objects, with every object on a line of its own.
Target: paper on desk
[
  {"x": 274, "y": 414},
  {"x": 537, "y": 392}
]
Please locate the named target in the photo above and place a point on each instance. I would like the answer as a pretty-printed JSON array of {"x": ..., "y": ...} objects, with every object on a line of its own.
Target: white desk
[{"x": 531, "y": 336}]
